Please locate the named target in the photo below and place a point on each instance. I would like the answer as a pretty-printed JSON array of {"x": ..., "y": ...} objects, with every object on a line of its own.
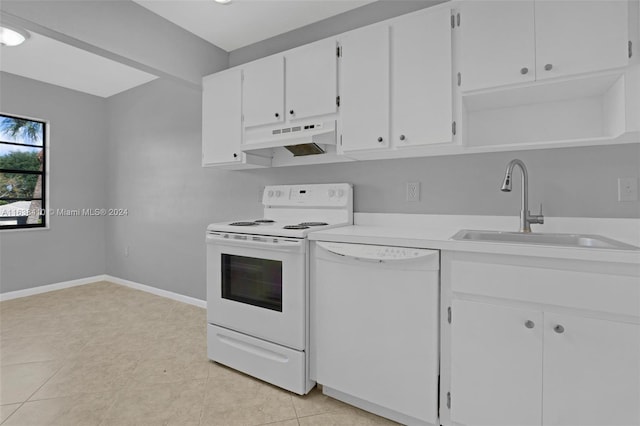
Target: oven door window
[{"x": 253, "y": 281}]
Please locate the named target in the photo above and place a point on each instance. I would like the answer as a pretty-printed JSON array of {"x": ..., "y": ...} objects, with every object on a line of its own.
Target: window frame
[{"x": 45, "y": 175}]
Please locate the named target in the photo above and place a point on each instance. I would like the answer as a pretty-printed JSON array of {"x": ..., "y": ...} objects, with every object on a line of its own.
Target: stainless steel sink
[{"x": 565, "y": 240}]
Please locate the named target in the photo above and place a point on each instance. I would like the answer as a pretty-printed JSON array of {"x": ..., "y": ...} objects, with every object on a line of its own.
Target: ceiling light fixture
[
  {"x": 12, "y": 36},
  {"x": 223, "y": 1}
]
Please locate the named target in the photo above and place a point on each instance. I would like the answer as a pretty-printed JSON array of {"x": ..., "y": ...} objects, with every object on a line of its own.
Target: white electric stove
[{"x": 258, "y": 282}]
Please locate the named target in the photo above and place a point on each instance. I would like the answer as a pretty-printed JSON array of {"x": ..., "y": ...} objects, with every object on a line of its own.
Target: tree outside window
[{"x": 22, "y": 173}]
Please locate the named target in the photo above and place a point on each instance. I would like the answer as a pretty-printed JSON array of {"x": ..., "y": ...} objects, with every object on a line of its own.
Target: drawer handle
[
  {"x": 529, "y": 324},
  {"x": 558, "y": 329},
  {"x": 252, "y": 349}
]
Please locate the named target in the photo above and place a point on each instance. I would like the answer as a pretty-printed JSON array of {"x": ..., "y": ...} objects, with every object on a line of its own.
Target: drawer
[
  {"x": 272, "y": 363},
  {"x": 596, "y": 286}
]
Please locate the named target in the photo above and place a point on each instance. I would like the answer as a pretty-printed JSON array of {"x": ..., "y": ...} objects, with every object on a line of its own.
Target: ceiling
[
  {"x": 45, "y": 59},
  {"x": 244, "y": 22},
  {"x": 231, "y": 26}
]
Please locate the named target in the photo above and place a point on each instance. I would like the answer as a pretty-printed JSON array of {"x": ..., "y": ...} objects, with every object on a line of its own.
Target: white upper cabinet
[
  {"x": 421, "y": 78},
  {"x": 222, "y": 123},
  {"x": 263, "y": 92},
  {"x": 221, "y": 118},
  {"x": 497, "y": 42},
  {"x": 364, "y": 78},
  {"x": 574, "y": 36},
  {"x": 508, "y": 42},
  {"x": 396, "y": 83},
  {"x": 312, "y": 80}
]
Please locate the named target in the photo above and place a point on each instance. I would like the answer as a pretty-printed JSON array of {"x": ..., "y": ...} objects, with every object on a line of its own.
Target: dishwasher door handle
[{"x": 371, "y": 255}]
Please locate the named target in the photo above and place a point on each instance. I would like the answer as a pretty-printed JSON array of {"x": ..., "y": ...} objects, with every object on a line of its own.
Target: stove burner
[
  {"x": 243, "y": 224},
  {"x": 264, "y": 221},
  {"x": 295, "y": 227},
  {"x": 313, "y": 224}
]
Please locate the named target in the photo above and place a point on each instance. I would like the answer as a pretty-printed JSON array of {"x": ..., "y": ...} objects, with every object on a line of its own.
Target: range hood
[{"x": 300, "y": 139}]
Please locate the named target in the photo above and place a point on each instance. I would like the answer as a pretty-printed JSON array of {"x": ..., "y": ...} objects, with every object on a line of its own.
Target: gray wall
[
  {"x": 154, "y": 171},
  {"x": 364, "y": 15},
  {"x": 572, "y": 182},
  {"x": 74, "y": 247}
]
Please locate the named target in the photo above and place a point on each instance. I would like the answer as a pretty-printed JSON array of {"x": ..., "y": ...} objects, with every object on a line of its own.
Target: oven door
[{"x": 257, "y": 285}]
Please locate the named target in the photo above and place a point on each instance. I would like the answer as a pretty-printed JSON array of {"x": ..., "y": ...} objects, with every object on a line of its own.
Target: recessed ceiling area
[
  {"x": 244, "y": 22},
  {"x": 51, "y": 61}
]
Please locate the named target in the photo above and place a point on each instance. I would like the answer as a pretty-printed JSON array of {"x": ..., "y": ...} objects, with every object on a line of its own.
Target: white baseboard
[
  {"x": 89, "y": 280},
  {"x": 158, "y": 292},
  {"x": 50, "y": 287}
]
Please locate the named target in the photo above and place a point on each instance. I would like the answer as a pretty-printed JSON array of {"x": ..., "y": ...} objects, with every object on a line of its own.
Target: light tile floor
[{"x": 104, "y": 354}]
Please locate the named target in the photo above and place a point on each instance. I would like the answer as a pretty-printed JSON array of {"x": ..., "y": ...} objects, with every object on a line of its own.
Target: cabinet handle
[
  {"x": 524, "y": 71},
  {"x": 558, "y": 329},
  {"x": 235, "y": 155},
  {"x": 548, "y": 67},
  {"x": 529, "y": 324},
  {"x": 291, "y": 112},
  {"x": 402, "y": 137},
  {"x": 380, "y": 139},
  {"x": 277, "y": 115}
]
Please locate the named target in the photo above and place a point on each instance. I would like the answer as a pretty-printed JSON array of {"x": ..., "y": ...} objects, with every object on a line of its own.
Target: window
[{"x": 23, "y": 173}]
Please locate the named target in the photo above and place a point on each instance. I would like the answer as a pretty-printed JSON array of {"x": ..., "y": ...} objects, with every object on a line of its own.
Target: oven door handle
[{"x": 272, "y": 243}]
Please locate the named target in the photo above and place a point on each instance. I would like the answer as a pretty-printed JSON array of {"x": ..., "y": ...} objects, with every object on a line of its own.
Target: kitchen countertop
[{"x": 435, "y": 232}]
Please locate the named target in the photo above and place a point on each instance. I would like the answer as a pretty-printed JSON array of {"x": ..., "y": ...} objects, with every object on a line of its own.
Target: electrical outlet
[
  {"x": 260, "y": 193},
  {"x": 126, "y": 251},
  {"x": 628, "y": 189},
  {"x": 413, "y": 191}
]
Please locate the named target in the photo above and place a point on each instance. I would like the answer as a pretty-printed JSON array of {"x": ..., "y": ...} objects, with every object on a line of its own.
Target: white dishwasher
[{"x": 375, "y": 328}]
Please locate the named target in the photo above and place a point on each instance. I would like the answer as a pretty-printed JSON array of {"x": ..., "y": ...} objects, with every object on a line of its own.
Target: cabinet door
[
  {"x": 421, "y": 95},
  {"x": 221, "y": 118},
  {"x": 496, "y": 365},
  {"x": 311, "y": 80},
  {"x": 591, "y": 372},
  {"x": 497, "y": 43},
  {"x": 263, "y": 92},
  {"x": 577, "y": 36},
  {"x": 364, "y": 84}
]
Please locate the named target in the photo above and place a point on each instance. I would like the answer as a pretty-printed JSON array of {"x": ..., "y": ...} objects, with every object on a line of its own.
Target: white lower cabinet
[
  {"x": 514, "y": 366},
  {"x": 531, "y": 356},
  {"x": 591, "y": 371},
  {"x": 496, "y": 365}
]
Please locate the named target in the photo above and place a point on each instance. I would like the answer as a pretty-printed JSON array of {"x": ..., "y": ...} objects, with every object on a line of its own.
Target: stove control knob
[
  {"x": 340, "y": 193},
  {"x": 332, "y": 192},
  {"x": 278, "y": 193},
  {"x": 270, "y": 194}
]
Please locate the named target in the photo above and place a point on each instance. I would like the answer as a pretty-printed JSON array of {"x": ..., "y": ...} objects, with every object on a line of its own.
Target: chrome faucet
[{"x": 526, "y": 218}]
